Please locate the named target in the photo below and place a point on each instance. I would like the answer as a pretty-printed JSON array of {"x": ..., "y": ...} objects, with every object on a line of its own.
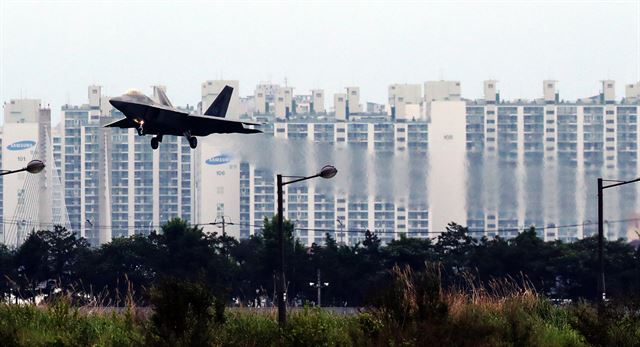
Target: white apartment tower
[
  {"x": 549, "y": 92},
  {"x": 442, "y": 90},
  {"x": 28, "y": 198},
  {"x": 340, "y": 106},
  {"x": 317, "y": 97},
  {"x": 284, "y": 102},
  {"x": 353, "y": 100},
  {"x": 632, "y": 92},
  {"x": 491, "y": 93},
  {"x": 405, "y": 101}
]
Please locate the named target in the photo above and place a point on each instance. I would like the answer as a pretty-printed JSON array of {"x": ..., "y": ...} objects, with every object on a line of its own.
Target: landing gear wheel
[
  {"x": 154, "y": 142},
  {"x": 193, "y": 142}
]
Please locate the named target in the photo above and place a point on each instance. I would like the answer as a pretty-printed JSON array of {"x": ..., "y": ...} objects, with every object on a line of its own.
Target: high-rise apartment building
[
  {"x": 27, "y": 199},
  {"x": 536, "y": 163},
  {"x": 495, "y": 165},
  {"x": 405, "y": 101}
]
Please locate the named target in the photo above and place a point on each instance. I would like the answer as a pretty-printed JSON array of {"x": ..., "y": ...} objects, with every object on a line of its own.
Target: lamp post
[
  {"x": 34, "y": 167},
  {"x": 602, "y": 294},
  {"x": 328, "y": 171},
  {"x": 319, "y": 285}
]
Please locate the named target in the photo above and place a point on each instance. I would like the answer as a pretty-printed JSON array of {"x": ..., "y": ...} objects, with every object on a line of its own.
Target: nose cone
[{"x": 117, "y": 102}]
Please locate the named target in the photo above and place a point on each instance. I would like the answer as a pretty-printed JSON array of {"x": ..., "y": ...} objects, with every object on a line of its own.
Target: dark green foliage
[
  {"x": 183, "y": 314},
  {"x": 126, "y": 268},
  {"x": 48, "y": 259},
  {"x": 196, "y": 275}
]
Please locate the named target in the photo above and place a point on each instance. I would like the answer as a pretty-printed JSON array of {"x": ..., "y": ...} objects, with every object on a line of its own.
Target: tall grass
[
  {"x": 415, "y": 309},
  {"x": 60, "y": 324}
]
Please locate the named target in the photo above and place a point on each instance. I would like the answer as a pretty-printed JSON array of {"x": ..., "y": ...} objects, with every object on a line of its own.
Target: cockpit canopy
[
  {"x": 137, "y": 96},
  {"x": 132, "y": 92}
]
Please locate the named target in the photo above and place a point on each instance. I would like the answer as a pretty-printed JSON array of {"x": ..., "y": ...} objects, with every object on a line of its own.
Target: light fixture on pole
[
  {"x": 327, "y": 171},
  {"x": 319, "y": 285},
  {"x": 35, "y": 166}
]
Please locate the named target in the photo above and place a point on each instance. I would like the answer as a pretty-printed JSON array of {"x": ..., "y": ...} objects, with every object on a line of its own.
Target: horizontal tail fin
[
  {"x": 220, "y": 105},
  {"x": 122, "y": 123}
]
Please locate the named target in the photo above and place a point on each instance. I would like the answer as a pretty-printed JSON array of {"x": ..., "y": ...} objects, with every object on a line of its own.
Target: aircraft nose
[{"x": 116, "y": 102}]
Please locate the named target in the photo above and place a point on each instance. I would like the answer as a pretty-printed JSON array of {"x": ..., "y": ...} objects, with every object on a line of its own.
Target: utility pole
[{"x": 222, "y": 224}]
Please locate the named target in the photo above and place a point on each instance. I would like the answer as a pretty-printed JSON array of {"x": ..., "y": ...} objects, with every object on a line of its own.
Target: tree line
[{"x": 240, "y": 271}]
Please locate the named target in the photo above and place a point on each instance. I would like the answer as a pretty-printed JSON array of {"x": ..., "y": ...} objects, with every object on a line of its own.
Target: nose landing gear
[{"x": 155, "y": 141}]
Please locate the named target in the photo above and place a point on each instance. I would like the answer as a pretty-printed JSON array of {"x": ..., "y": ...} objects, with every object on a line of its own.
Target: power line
[
  {"x": 362, "y": 231},
  {"x": 322, "y": 230}
]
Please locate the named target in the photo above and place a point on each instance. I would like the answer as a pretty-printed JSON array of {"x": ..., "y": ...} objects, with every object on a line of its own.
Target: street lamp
[
  {"x": 327, "y": 171},
  {"x": 319, "y": 285},
  {"x": 34, "y": 167},
  {"x": 601, "y": 285}
]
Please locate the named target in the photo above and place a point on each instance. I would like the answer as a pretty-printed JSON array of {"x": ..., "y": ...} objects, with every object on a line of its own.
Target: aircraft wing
[
  {"x": 216, "y": 125},
  {"x": 122, "y": 123}
]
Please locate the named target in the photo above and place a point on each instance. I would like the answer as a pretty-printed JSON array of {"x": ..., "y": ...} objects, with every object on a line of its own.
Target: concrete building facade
[{"x": 494, "y": 165}]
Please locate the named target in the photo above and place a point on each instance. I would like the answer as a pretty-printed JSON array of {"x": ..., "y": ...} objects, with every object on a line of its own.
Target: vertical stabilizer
[{"x": 220, "y": 105}]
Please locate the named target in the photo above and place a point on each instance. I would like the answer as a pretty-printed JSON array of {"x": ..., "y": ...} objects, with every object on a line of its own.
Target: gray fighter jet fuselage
[{"x": 159, "y": 117}]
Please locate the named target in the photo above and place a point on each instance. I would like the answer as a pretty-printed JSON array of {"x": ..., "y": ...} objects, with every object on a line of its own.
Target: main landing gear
[
  {"x": 193, "y": 142},
  {"x": 155, "y": 141}
]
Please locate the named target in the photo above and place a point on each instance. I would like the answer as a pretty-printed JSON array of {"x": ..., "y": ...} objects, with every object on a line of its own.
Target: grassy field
[
  {"x": 413, "y": 310},
  {"x": 454, "y": 321}
]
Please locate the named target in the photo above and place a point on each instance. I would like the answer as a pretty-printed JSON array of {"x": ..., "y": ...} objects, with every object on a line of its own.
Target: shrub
[{"x": 183, "y": 314}]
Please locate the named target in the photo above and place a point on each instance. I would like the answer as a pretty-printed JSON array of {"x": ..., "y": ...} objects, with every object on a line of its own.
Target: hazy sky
[{"x": 53, "y": 50}]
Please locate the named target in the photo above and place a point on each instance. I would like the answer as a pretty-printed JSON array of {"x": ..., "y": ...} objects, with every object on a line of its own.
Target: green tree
[
  {"x": 120, "y": 268},
  {"x": 7, "y": 271},
  {"x": 48, "y": 259}
]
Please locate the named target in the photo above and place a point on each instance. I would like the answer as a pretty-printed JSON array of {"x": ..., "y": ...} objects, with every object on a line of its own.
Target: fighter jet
[{"x": 159, "y": 117}]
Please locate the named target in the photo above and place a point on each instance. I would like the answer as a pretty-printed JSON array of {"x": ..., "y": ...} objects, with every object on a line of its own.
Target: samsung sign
[
  {"x": 21, "y": 145},
  {"x": 219, "y": 159}
]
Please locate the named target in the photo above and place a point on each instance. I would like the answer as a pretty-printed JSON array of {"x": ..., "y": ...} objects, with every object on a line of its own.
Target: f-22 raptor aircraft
[{"x": 160, "y": 118}]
